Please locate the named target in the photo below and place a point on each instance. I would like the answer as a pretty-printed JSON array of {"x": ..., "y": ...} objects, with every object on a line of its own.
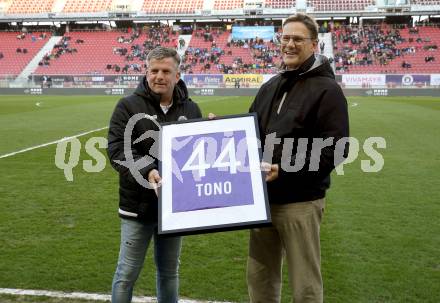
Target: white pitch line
[
  {"x": 354, "y": 104},
  {"x": 50, "y": 143},
  {"x": 218, "y": 99},
  {"x": 84, "y": 296}
]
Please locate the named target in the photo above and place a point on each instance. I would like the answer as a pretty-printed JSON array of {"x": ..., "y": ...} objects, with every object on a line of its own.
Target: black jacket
[
  {"x": 136, "y": 201},
  {"x": 314, "y": 107}
]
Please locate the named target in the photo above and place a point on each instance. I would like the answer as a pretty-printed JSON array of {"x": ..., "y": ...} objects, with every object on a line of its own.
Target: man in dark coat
[
  {"x": 160, "y": 97},
  {"x": 302, "y": 113}
]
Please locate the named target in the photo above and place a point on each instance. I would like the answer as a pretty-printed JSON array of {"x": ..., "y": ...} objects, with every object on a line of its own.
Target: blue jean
[{"x": 135, "y": 239}]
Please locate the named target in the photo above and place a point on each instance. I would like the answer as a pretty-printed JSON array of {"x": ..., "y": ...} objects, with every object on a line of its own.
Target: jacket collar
[
  {"x": 288, "y": 73},
  {"x": 315, "y": 65},
  {"x": 180, "y": 93}
]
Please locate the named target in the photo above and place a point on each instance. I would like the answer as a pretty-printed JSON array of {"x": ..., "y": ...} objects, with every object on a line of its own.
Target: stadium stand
[
  {"x": 201, "y": 44},
  {"x": 18, "y": 49},
  {"x": 86, "y": 6},
  {"x": 343, "y": 5},
  {"x": 383, "y": 48},
  {"x": 174, "y": 7},
  {"x": 279, "y": 3},
  {"x": 228, "y": 4},
  {"x": 426, "y": 2},
  {"x": 370, "y": 49},
  {"x": 213, "y": 52},
  {"x": 30, "y": 6},
  {"x": 104, "y": 53},
  {"x": 387, "y": 49}
]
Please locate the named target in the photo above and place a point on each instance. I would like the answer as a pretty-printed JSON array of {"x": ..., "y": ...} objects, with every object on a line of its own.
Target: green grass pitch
[{"x": 380, "y": 235}]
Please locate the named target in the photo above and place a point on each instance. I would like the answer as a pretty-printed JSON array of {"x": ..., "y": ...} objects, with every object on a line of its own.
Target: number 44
[{"x": 197, "y": 160}]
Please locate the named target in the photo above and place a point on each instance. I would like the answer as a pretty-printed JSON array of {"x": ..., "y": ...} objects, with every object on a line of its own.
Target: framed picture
[{"x": 211, "y": 176}]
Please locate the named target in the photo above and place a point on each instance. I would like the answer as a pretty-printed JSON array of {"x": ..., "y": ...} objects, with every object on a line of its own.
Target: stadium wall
[
  {"x": 218, "y": 81},
  {"x": 392, "y": 92}
]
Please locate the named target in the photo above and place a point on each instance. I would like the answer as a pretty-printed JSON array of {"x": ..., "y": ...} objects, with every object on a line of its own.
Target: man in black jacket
[
  {"x": 303, "y": 113},
  {"x": 160, "y": 97}
]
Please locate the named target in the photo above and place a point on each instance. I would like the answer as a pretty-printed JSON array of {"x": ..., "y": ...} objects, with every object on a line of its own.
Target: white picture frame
[{"x": 211, "y": 176}]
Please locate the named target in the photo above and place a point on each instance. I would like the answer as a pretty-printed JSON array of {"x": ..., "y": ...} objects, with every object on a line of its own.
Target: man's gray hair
[{"x": 160, "y": 53}]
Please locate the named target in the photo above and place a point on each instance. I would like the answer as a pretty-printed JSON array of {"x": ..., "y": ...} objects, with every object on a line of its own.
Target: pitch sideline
[
  {"x": 51, "y": 143},
  {"x": 85, "y": 296}
]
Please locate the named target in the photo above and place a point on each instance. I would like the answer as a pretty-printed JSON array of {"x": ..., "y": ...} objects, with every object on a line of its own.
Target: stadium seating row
[
  {"x": 280, "y": 3},
  {"x": 186, "y": 6}
]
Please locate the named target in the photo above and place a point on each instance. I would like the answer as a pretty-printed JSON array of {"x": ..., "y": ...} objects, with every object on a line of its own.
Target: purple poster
[
  {"x": 211, "y": 176},
  {"x": 211, "y": 171}
]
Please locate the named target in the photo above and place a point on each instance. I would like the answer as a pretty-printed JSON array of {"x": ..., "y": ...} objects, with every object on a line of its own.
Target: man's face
[
  {"x": 162, "y": 76},
  {"x": 296, "y": 44}
]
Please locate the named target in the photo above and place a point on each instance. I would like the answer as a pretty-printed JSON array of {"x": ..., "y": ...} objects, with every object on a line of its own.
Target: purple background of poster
[{"x": 185, "y": 195}]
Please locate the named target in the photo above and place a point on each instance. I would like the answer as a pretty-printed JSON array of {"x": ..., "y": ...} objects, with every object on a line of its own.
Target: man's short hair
[
  {"x": 160, "y": 53},
  {"x": 307, "y": 20}
]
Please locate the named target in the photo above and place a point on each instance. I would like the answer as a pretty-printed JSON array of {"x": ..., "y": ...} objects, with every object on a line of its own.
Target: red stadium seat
[
  {"x": 30, "y": 6},
  {"x": 95, "y": 54},
  {"x": 13, "y": 63}
]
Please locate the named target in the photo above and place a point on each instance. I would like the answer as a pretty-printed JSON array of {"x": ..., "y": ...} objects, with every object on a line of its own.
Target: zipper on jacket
[{"x": 281, "y": 103}]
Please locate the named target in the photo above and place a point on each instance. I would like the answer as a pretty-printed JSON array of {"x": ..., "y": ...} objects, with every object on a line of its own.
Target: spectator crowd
[{"x": 376, "y": 44}]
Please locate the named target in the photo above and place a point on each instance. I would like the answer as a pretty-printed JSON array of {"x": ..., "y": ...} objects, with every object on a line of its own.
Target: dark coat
[
  {"x": 314, "y": 107},
  {"x": 135, "y": 200}
]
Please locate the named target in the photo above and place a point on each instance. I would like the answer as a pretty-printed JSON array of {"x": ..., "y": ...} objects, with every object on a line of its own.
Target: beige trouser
[{"x": 295, "y": 233}]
